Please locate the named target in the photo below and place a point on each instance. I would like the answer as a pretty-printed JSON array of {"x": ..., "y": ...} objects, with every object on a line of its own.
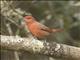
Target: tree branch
[{"x": 35, "y": 46}]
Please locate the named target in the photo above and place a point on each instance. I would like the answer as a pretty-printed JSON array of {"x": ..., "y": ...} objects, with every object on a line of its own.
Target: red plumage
[{"x": 37, "y": 29}]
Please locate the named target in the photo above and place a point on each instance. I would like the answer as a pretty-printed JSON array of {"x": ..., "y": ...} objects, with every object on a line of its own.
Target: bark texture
[{"x": 35, "y": 46}]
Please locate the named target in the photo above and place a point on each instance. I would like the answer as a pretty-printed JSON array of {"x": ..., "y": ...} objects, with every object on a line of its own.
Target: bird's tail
[{"x": 57, "y": 30}]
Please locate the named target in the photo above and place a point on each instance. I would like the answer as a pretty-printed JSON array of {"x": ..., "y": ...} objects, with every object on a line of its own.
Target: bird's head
[{"x": 29, "y": 19}]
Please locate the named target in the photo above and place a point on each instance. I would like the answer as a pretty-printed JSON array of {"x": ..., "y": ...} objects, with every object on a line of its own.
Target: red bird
[{"x": 37, "y": 29}]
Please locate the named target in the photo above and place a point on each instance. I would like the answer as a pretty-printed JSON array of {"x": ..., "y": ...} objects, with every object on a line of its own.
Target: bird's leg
[
  {"x": 35, "y": 38},
  {"x": 44, "y": 40}
]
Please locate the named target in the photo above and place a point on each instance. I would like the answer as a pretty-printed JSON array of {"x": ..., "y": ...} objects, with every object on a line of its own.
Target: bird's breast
[{"x": 37, "y": 32}]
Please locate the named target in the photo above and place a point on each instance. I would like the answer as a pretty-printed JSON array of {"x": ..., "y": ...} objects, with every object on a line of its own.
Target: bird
[{"x": 38, "y": 30}]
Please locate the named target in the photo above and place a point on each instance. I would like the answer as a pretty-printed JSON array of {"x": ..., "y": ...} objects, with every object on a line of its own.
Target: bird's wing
[{"x": 44, "y": 28}]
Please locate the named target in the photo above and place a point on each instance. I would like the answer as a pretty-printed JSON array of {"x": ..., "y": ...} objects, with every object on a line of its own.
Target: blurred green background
[{"x": 54, "y": 14}]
